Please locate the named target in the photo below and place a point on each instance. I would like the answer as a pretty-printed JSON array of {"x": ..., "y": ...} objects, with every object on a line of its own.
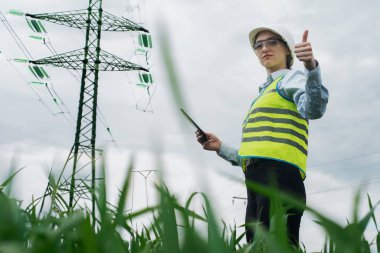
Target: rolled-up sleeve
[
  {"x": 229, "y": 154},
  {"x": 307, "y": 92}
]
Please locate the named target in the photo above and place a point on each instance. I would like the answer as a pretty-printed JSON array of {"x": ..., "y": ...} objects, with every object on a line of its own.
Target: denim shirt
[{"x": 304, "y": 88}]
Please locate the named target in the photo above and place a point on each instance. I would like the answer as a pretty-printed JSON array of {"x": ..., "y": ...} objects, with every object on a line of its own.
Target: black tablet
[{"x": 204, "y": 136}]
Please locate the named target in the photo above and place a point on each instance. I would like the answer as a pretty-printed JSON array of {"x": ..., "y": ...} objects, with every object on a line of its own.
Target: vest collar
[
  {"x": 273, "y": 76},
  {"x": 278, "y": 73}
]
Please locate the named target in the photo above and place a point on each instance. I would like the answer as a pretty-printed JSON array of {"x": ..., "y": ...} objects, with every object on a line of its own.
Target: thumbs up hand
[{"x": 304, "y": 52}]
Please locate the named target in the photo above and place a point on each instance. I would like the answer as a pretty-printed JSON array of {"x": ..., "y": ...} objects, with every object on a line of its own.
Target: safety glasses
[{"x": 269, "y": 43}]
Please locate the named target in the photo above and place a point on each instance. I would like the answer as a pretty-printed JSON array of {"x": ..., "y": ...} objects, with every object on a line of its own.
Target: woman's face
[{"x": 272, "y": 51}]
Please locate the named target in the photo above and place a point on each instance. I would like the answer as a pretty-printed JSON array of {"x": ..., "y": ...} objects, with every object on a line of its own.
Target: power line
[
  {"x": 346, "y": 187},
  {"x": 348, "y": 169},
  {"x": 14, "y": 35},
  {"x": 34, "y": 91},
  {"x": 28, "y": 55},
  {"x": 344, "y": 159}
]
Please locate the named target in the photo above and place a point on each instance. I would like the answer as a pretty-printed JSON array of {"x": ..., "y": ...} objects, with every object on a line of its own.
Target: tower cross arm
[
  {"x": 114, "y": 23},
  {"x": 110, "y": 62},
  {"x": 76, "y": 59},
  {"x": 79, "y": 19},
  {"x": 76, "y": 18}
]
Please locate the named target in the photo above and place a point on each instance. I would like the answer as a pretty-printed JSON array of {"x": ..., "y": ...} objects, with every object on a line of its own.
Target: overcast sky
[{"x": 219, "y": 77}]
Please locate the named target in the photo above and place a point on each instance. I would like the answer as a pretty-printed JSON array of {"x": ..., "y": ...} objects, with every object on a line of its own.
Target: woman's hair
[{"x": 289, "y": 60}]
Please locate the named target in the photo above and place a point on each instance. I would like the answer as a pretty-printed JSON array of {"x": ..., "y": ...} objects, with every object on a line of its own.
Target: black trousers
[{"x": 286, "y": 178}]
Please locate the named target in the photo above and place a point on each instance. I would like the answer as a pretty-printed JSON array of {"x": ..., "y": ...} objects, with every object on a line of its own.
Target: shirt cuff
[
  {"x": 314, "y": 70},
  {"x": 223, "y": 150},
  {"x": 228, "y": 153}
]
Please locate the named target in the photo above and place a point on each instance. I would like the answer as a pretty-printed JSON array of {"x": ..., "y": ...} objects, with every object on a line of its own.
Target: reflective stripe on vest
[{"x": 274, "y": 129}]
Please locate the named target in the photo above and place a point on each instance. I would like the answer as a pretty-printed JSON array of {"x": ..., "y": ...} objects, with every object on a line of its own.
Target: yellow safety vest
[{"x": 274, "y": 129}]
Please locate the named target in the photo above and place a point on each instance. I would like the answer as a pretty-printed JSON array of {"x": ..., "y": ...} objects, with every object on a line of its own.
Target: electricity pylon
[{"x": 91, "y": 59}]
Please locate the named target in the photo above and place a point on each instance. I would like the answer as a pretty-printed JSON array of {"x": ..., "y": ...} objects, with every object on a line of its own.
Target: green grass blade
[
  {"x": 215, "y": 240},
  {"x": 89, "y": 240},
  {"x": 355, "y": 208},
  {"x": 362, "y": 224},
  {"x": 101, "y": 198},
  {"x": 8, "y": 181},
  {"x": 168, "y": 220},
  {"x": 373, "y": 214},
  {"x": 12, "y": 221},
  {"x": 331, "y": 246},
  {"x": 123, "y": 195},
  {"x": 141, "y": 212},
  {"x": 190, "y": 213},
  {"x": 170, "y": 70}
]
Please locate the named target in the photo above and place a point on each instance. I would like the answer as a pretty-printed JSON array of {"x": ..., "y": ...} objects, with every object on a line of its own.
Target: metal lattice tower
[{"x": 91, "y": 59}]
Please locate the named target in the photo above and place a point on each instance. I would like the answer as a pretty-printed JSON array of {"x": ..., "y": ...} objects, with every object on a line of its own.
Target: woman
[{"x": 275, "y": 129}]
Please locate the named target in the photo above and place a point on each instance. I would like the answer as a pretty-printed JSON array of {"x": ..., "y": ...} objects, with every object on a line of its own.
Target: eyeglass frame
[{"x": 261, "y": 43}]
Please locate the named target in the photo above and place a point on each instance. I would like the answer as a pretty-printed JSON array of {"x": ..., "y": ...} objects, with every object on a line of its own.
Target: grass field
[{"x": 173, "y": 227}]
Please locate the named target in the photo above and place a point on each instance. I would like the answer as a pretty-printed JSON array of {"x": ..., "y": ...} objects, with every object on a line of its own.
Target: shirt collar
[{"x": 274, "y": 76}]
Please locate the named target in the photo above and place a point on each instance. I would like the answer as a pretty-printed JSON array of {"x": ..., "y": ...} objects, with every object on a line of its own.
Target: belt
[{"x": 252, "y": 161}]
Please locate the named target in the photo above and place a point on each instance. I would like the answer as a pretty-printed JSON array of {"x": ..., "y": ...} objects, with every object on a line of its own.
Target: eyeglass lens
[{"x": 270, "y": 43}]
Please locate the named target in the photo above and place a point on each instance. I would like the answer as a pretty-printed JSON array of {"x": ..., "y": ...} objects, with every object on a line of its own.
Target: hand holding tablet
[
  {"x": 202, "y": 133},
  {"x": 209, "y": 141}
]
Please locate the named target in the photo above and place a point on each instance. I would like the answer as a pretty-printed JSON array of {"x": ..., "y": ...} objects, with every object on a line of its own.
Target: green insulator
[
  {"x": 37, "y": 83},
  {"x": 36, "y": 37},
  {"x": 16, "y": 12},
  {"x": 21, "y": 60}
]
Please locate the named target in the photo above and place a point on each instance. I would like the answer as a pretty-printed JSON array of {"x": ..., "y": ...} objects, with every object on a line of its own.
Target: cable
[
  {"x": 131, "y": 8},
  {"x": 149, "y": 100},
  {"x": 346, "y": 170},
  {"x": 28, "y": 55},
  {"x": 342, "y": 197},
  {"x": 105, "y": 124},
  {"x": 126, "y": 74},
  {"x": 35, "y": 92},
  {"x": 16, "y": 38},
  {"x": 51, "y": 91},
  {"x": 344, "y": 159},
  {"x": 135, "y": 97},
  {"x": 346, "y": 187},
  {"x": 130, "y": 85}
]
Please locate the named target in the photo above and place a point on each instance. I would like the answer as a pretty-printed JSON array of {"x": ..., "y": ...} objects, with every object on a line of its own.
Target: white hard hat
[{"x": 277, "y": 29}]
